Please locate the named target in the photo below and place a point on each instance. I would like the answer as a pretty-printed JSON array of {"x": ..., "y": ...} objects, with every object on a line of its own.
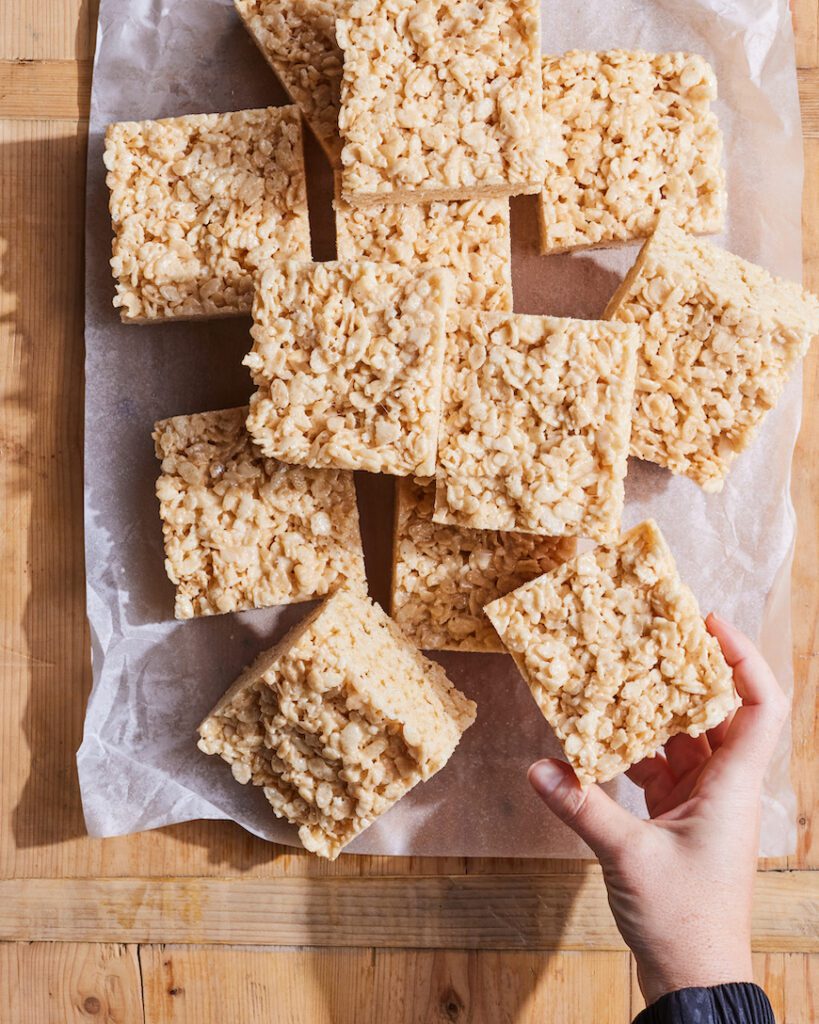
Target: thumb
[{"x": 600, "y": 822}]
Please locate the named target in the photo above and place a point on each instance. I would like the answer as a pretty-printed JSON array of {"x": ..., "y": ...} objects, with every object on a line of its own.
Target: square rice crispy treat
[
  {"x": 242, "y": 531},
  {"x": 297, "y": 38},
  {"x": 440, "y": 100},
  {"x": 616, "y": 654},
  {"x": 347, "y": 359},
  {"x": 535, "y": 424},
  {"x": 719, "y": 337},
  {"x": 471, "y": 238},
  {"x": 627, "y": 136},
  {"x": 197, "y": 204},
  {"x": 338, "y": 722},
  {"x": 442, "y": 576}
]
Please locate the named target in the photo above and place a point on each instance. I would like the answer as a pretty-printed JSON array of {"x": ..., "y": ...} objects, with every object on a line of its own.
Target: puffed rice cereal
[
  {"x": 242, "y": 531},
  {"x": 616, "y": 654},
  {"x": 719, "y": 337},
  {"x": 298, "y": 40},
  {"x": 535, "y": 425},
  {"x": 628, "y": 135},
  {"x": 470, "y": 238},
  {"x": 338, "y": 722},
  {"x": 442, "y": 576},
  {"x": 440, "y": 99},
  {"x": 347, "y": 360},
  {"x": 197, "y": 204}
]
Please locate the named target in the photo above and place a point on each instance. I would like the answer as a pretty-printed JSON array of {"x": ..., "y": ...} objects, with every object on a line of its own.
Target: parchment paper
[{"x": 154, "y": 678}]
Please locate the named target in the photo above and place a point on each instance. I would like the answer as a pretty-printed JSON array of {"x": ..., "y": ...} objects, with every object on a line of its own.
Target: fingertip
[{"x": 547, "y": 775}]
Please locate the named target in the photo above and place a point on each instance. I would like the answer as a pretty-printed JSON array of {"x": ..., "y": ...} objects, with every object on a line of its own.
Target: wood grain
[
  {"x": 806, "y": 25},
  {"x": 56, "y": 983},
  {"x": 188, "y": 985},
  {"x": 45, "y": 90},
  {"x": 546, "y": 911}
]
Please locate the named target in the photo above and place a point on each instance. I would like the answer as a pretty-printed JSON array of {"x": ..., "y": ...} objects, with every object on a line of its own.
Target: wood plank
[
  {"x": 48, "y": 90},
  {"x": 32, "y": 30},
  {"x": 69, "y": 983},
  {"x": 549, "y": 911},
  {"x": 188, "y": 985},
  {"x": 805, "y": 580},
  {"x": 806, "y": 25},
  {"x": 801, "y": 989}
]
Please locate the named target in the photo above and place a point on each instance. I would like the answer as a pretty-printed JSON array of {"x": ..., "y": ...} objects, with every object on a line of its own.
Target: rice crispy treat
[
  {"x": 719, "y": 338},
  {"x": 197, "y": 204},
  {"x": 242, "y": 531},
  {"x": 627, "y": 136},
  {"x": 471, "y": 238},
  {"x": 338, "y": 722},
  {"x": 442, "y": 576},
  {"x": 297, "y": 38},
  {"x": 535, "y": 425},
  {"x": 347, "y": 359},
  {"x": 616, "y": 654},
  {"x": 440, "y": 100}
]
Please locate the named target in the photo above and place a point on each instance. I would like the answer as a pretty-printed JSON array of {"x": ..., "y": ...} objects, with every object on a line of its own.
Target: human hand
[{"x": 680, "y": 885}]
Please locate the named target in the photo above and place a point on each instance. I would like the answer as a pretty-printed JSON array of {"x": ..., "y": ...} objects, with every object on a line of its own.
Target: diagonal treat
[
  {"x": 628, "y": 135},
  {"x": 440, "y": 100},
  {"x": 616, "y": 654},
  {"x": 442, "y": 576},
  {"x": 719, "y": 338},
  {"x": 297, "y": 38},
  {"x": 197, "y": 204},
  {"x": 242, "y": 531},
  {"x": 347, "y": 360},
  {"x": 535, "y": 423},
  {"x": 338, "y": 722},
  {"x": 470, "y": 238}
]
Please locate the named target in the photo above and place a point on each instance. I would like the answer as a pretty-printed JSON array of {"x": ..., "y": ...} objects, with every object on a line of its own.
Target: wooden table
[{"x": 202, "y": 922}]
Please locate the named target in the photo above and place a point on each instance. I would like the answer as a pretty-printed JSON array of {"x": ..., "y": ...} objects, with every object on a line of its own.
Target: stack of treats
[{"x": 508, "y": 434}]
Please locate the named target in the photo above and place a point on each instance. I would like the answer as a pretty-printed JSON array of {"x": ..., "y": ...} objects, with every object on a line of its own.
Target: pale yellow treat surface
[
  {"x": 628, "y": 134},
  {"x": 338, "y": 722},
  {"x": 470, "y": 238},
  {"x": 535, "y": 425},
  {"x": 442, "y": 576},
  {"x": 440, "y": 99},
  {"x": 298, "y": 40},
  {"x": 616, "y": 654},
  {"x": 243, "y": 531},
  {"x": 347, "y": 360},
  {"x": 719, "y": 337},
  {"x": 197, "y": 204}
]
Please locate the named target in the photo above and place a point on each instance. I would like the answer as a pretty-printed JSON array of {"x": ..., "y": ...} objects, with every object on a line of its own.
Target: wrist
[{"x": 658, "y": 979}]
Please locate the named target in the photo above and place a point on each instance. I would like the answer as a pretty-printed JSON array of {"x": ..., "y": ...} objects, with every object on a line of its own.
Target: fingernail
[{"x": 545, "y": 775}]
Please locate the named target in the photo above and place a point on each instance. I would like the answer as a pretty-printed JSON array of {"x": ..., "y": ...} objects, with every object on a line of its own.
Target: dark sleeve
[{"x": 741, "y": 1003}]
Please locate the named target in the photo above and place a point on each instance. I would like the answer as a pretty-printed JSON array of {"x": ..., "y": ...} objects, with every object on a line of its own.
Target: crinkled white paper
[{"x": 154, "y": 678}]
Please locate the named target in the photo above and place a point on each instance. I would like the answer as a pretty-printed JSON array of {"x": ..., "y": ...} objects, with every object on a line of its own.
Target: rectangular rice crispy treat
[
  {"x": 440, "y": 100},
  {"x": 442, "y": 576},
  {"x": 535, "y": 423},
  {"x": 242, "y": 531},
  {"x": 298, "y": 40},
  {"x": 338, "y": 722},
  {"x": 197, "y": 204},
  {"x": 471, "y": 238},
  {"x": 627, "y": 136},
  {"x": 616, "y": 654},
  {"x": 347, "y": 360},
  {"x": 719, "y": 338}
]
